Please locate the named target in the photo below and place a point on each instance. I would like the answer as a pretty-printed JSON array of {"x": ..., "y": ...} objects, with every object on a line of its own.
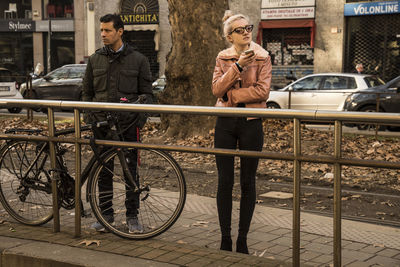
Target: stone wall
[
  {"x": 329, "y": 38},
  {"x": 250, "y": 8}
]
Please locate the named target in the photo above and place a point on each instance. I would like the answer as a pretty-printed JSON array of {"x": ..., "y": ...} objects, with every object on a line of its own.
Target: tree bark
[{"x": 197, "y": 37}]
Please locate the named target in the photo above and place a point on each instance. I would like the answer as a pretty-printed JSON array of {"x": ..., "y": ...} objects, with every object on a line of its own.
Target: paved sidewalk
[{"x": 194, "y": 241}]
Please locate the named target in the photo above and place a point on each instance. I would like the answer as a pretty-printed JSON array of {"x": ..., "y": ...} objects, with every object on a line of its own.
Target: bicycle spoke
[
  {"x": 160, "y": 201},
  {"x": 22, "y": 191}
]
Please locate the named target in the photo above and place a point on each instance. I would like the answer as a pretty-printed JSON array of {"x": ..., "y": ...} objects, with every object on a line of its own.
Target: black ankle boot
[
  {"x": 241, "y": 245},
  {"x": 226, "y": 243}
]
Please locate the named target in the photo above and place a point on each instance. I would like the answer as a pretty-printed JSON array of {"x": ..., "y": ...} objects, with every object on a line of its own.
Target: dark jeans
[
  {"x": 247, "y": 135},
  {"x": 106, "y": 175}
]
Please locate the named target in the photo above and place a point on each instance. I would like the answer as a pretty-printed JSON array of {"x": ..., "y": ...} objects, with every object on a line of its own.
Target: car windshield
[
  {"x": 309, "y": 83},
  {"x": 75, "y": 73},
  {"x": 373, "y": 81},
  {"x": 5, "y": 76},
  {"x": 58, "y": 74}
]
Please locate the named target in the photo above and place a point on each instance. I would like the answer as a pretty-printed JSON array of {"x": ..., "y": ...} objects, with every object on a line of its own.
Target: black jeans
[
  {"x": 106, "y": 175},
  {"x": 248, "y": 135}
]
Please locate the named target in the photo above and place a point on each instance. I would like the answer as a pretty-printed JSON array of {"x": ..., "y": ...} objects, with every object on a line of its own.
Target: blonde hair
[{"x": 229, "y": 18}]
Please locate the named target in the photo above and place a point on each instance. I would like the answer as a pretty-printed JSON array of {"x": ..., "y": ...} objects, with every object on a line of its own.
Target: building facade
[
  {"x": 49, "y": 32},
  {"x": 302, "y": 36}
]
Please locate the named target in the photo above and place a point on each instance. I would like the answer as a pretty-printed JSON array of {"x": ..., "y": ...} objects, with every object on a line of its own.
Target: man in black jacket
[{"x": 116, "y": 73}]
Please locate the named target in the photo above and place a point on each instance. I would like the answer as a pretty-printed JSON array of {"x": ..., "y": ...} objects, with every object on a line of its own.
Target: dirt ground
[{"x": 368, "y": 193}]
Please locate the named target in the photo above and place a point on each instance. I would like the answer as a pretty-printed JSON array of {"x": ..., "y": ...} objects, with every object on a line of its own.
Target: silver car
[
  {"x": 324, "y": 91},
  {"x": 64, "y": 83},
  {"x": 8, "y": 88}
]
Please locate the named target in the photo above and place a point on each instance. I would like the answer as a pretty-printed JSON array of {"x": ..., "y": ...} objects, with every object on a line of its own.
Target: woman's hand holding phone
[{"x": 246, "y": 57}]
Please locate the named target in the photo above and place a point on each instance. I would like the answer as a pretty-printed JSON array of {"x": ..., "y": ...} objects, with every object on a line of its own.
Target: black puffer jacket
[{"x": 110, "y": 76}]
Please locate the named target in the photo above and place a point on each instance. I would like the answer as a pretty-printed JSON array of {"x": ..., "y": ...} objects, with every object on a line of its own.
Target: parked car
[
  {"x": 7, "y": 75},
  {"x": 324, "y": 91},
  {"x": 9, "y": 90},
  {"x": 367, "y": 100},
  {"x": 64, "y": 83},
  {"x": 159, "y": 86}
]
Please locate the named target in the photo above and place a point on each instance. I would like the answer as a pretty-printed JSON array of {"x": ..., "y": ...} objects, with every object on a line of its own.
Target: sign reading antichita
[{"x": 147, "y": 18}]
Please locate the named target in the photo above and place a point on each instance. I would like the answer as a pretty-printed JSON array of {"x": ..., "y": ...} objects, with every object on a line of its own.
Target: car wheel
[
  {"x": 273, "y": 105},
  {"x": 369, "y": 127},
  {"x": 14, "y": 110}
]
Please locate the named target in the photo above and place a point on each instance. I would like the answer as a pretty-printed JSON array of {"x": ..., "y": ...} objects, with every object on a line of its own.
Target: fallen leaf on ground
[
  {"x": 89, "y": 242},
  {"x": 262, "y": 253},
  {"x": 201, "y": 223}
]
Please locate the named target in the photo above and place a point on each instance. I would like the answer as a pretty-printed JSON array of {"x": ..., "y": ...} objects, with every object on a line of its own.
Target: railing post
[
  {"x": 378, "y": 97},
  {"x": 29, "y": 111},
  {"x": 77, "y": 125},
  {"x": 56, "y": 214},
  {"x": 296, "y": 192},
  {"x": 337, "y": 198}
]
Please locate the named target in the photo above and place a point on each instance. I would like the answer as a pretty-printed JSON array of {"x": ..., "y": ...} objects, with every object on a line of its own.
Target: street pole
[{"x": 48, "y": 47}]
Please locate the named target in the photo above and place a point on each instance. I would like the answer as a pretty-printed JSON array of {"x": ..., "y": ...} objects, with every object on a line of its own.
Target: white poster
[
  {"x": 286, "y": 3},
  {"x": 288, "y": 13}
]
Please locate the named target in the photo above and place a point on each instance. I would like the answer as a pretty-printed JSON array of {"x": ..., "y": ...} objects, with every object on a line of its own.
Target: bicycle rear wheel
[
  {"x": 161, "y": 200},
  {"x": 25, "y": 187}
]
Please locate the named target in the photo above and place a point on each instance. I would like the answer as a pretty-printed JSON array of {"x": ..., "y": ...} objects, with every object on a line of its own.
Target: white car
[
  {"x": 324, "y": 91},
  {"x": 8, "y": 90}
]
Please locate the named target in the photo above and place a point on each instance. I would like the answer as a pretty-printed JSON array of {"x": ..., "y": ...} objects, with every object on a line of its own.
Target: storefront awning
[{"x": 297, "y": 23}]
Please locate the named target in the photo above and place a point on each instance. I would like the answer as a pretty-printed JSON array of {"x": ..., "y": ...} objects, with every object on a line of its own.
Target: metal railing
[{"x": 296, "y": 157}]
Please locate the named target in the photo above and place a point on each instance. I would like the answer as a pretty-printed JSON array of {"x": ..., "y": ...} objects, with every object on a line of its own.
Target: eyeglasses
[{"x": 240, "y": 30}]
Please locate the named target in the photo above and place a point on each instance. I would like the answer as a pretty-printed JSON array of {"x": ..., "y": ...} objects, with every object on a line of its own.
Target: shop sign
[
  {"x": 286, "y": 3},
  {"x": 374, "y": 8},
  {"x": 56, "y": 25},
  {"x": 17, "y": 26},
  {"x": 288, "y": 13},
  {"x": 147, "y": 18}
]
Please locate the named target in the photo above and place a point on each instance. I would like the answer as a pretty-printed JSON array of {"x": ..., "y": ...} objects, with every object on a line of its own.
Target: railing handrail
[{"x": 372, "y": 117}]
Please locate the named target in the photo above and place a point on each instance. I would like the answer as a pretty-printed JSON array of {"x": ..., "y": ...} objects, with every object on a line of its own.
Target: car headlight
[{"x": 348, "y": 99}]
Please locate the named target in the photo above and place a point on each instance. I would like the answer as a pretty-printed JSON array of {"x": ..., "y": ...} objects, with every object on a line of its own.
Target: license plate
[{"x": 4, "y": 88}]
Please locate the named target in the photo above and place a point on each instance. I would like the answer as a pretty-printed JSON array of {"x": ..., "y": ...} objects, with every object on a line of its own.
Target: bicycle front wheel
[
  {"x": 158, "y": 204},
  {"x": 25, "y": 186}
]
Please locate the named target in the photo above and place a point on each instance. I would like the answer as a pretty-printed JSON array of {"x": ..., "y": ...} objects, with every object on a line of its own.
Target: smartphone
[{"x": 249, "y": 52}]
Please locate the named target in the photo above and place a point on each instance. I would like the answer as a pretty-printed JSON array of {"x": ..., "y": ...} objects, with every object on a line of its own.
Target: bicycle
[{"x": 25, "y": 184}]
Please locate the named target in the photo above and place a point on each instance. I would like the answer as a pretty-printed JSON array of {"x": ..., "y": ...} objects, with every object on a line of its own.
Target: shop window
[
  {"x": 16, "y": 52},
  {"x": 143, "y": 41},
  {"x": 289, "y": 46},
  {"x": 16, "y": 9},
  {"x": 62, "y": 50},
  {"x": 377, "y": 46},
  {"x": 58, "y": 8}
]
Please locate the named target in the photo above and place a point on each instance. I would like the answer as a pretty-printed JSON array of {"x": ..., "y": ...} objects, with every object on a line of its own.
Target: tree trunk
[{"x": 197, "y": 37}]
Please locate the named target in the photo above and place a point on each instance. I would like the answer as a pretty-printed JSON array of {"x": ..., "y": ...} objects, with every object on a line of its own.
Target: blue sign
[{"x": 372, "y": 8}]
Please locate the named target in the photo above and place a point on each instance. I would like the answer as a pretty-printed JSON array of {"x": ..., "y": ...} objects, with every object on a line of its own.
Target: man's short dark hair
[{"x": 116, "y": 19}]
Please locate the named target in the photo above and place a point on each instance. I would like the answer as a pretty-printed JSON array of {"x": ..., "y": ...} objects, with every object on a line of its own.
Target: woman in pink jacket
[{"x": 242, "y": 78}]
